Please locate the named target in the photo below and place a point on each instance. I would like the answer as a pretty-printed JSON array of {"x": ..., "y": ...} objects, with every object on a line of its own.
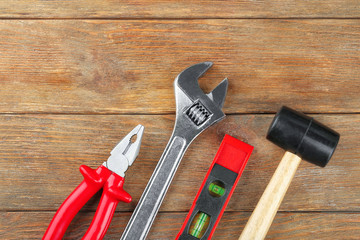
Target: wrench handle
[{"x": 145, "y": 212}]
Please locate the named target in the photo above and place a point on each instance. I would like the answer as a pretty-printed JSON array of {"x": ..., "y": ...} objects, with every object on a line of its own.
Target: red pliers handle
[
  {"x": 110, "y": 177},
  {"x": 93, "y": 181}
]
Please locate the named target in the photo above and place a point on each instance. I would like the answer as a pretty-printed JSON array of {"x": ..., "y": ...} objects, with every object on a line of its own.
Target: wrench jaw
[{"x": 195, "y": 110}]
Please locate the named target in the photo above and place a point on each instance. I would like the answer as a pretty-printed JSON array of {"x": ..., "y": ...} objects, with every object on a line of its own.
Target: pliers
[{"x": 110, "y": 176}]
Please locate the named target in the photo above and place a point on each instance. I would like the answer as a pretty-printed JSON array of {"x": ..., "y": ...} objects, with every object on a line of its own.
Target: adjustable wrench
[{"x": 195, "y": 111}]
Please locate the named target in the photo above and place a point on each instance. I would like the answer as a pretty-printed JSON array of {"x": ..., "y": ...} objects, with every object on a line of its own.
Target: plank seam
[
  {"x": 162, "y": 114},
  {"x": 240, "y": 211},
  {"x": 200, "y": 18}
]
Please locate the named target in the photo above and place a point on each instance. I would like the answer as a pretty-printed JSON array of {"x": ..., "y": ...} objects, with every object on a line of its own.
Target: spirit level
[{"x": 216, "y": 190}]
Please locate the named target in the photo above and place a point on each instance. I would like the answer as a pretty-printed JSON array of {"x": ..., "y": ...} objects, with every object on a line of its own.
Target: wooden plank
[
  {"x": 179, "y": 9},
  {"x": 32, "y": 225},
  {"x": 40, "y": 156},
  {"x": 93, "y": 66}
]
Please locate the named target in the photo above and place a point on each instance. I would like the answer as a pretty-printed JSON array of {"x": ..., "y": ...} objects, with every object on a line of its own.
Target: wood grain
[
  {"x": 301, "y": 226},
  {"x": 76, "y": 76},
  {"x": 128, "y": 66},
  {"x": 179, "y": 9},
  {"x": 40, "y": 156}
]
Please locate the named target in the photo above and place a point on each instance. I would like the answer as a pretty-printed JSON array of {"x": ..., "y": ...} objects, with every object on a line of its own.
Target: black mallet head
[{"x": 302, "y": 135}]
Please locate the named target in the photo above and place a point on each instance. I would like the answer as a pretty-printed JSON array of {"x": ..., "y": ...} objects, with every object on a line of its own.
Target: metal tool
[
  {"x": 195, "y": 111},
  {"x": 110, "y": 176}
]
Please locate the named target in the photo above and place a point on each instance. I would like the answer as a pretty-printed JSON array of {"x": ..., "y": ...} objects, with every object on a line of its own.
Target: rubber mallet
[{"x": 303, "y": 138}]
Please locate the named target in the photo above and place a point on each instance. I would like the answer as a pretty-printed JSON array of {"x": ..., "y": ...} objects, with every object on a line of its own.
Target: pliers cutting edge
[{"x": 110, "y": 176}]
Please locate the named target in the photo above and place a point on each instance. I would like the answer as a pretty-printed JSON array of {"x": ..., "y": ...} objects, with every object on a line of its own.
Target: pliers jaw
[{"x": 125, "y": 152}]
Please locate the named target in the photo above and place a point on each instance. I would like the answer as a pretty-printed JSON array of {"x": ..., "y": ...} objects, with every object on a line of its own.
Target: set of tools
[{"x": 302, "y": 137}]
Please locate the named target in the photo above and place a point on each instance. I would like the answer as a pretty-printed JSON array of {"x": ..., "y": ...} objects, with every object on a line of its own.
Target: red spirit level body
[{"x": 216, "y": 190}]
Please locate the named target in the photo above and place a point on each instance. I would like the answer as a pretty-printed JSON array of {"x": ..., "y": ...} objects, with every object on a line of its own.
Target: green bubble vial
[
  {"x": 216, "y": 189},
  {"x": 199, "y": 225}
]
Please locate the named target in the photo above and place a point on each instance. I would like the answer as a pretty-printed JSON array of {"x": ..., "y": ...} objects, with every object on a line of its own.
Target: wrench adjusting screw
[{"x": 198, "y": 113}]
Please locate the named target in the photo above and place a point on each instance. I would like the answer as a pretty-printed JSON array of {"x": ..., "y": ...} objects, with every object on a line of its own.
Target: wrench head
[{"x": 196, "y": 110}]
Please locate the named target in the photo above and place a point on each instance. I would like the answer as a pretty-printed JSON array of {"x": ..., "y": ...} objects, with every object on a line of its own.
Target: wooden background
[{"x": 76, "y": 76}]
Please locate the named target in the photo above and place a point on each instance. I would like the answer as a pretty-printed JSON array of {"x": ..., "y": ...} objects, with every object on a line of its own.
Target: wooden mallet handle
[{"x": 265, "y": 211}]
